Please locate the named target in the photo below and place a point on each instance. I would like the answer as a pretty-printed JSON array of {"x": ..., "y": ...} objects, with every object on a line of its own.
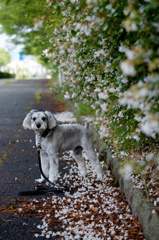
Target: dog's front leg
[
  {"x": 54, "y": 167},
  {"x": 45, "y": 166}
]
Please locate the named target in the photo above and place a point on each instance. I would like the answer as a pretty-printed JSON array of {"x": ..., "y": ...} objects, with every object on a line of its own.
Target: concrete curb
[{"x": 140, "y": 206}]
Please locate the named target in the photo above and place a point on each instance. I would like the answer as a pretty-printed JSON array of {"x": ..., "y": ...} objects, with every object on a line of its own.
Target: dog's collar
[{"x": 46, "y": 132}]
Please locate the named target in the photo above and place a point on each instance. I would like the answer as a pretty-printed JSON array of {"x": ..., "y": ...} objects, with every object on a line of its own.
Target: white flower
[
  {"x": 122, "y": 49},
  {"x": 133, "y": 26},
  {"x": 67, "y": 96},
  {"x": 136, "y": 138},
  {"x": 130, "y": 54},
  {"x": 143, "y": 92},
  {"x": 150, "y": 156},
  {"x": 150, "y": 126},
  {"x": 124, "y": 80},
  {"x": 97, "y": 89},
  {"x": 127, "y": 68},
  {"x": 103, "y": 95},
  {"x": 73, "y": 1},
  {"x": 98, "y": 53},
  {"x": 112, "y": 90},
  {"x": 74, "y": 40},
  {"x": 38, "y": 25},
  {"x": 122, "y": 153},
  {"x": 104, "y": 107}
]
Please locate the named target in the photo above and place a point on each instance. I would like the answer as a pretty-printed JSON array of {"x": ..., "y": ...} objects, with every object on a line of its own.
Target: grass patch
[{"x": 38, "y": 96}]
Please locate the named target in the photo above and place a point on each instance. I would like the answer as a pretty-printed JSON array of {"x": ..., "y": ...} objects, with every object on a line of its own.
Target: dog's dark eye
[
  {"x": 43, "y": 118},
  {"x": 34, "y": 119}
]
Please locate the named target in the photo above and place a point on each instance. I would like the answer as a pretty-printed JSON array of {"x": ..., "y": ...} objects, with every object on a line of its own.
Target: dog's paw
[
  {"x": 40, "y": 180},
  {"x": 53, "y": 178},
  {"x": 83, "y": 172},
  {"x": 100, "y": 176}
]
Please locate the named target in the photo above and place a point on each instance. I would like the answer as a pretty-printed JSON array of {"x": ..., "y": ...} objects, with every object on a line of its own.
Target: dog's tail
[{"x": 86, "y": 125}]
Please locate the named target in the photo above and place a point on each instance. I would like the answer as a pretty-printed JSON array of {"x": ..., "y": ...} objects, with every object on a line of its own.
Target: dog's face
[{"x": 39, "y": 120}]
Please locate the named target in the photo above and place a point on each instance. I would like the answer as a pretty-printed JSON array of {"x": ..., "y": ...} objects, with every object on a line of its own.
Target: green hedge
[
  {"x": 109, "y": 57},
  {"x": 108, "y": 54},
  {"x": 6, "y": 75}
]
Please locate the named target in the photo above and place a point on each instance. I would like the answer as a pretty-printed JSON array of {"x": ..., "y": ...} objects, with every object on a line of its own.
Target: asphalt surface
[{"x": 18, "y": 156}]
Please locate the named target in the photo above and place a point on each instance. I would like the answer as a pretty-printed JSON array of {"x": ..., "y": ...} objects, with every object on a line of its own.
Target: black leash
[
  {"x": 40, "y": 167},
  {"x": 42, "y": 189},
  {"x": 64, "y": 188}
]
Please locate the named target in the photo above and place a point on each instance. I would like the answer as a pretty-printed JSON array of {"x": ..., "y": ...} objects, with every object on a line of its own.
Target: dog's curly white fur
[{"x": 55, "y": 139}]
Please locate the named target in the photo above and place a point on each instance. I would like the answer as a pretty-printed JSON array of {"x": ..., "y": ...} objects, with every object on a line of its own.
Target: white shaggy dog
[{"x": 55, "y": 139}]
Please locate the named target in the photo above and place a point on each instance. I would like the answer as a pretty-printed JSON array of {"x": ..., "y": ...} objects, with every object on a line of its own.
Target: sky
[{"x": 5, "y": 43}]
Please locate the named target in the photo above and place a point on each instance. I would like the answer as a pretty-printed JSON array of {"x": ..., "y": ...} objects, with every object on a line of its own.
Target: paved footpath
[
  {"x": 15, "y": 101},
  {"x": 90, "y": 210},
  {"x": 18, "y": 168}
]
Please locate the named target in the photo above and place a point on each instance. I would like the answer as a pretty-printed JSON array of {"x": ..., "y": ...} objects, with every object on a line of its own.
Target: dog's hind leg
[
  {"x": 79, "y": 159},
  {"x": 54, "y": 167},
  {"x": 91, "y": 154}
]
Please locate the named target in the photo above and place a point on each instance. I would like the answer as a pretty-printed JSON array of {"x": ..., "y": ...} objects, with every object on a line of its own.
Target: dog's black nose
[{"x": 38, "y": 125}]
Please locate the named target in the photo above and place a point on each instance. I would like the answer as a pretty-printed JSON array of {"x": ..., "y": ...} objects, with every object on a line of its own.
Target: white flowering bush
[{"x": 107, "y": 52}]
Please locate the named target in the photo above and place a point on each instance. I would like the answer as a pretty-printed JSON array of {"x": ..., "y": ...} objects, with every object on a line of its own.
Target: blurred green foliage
[
  {"x": 4, "y": 57},
  {"x": 6, "y": 75}
]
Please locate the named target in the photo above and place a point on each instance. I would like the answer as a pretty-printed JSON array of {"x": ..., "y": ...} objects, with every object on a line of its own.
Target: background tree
[
  {"x": 22, "y": 20},
  {"x": 4, "y": 57}
]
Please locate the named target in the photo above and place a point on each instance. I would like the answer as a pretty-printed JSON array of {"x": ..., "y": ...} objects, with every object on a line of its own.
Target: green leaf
[
  {"x": 73, "y": 33},
  {"x": 7, "y": 2}
]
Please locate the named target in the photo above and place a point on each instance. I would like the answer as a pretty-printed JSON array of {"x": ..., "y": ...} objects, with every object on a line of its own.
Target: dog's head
[{"x": 39, "y": 120}]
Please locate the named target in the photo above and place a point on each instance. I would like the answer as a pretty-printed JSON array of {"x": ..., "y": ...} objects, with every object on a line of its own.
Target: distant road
[
  {"x": 7, "y": 80},
  {"x": 11, "y": 80}
]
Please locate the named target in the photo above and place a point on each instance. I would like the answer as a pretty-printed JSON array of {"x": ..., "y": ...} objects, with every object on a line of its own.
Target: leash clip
[{"x": 38, "y": 147}]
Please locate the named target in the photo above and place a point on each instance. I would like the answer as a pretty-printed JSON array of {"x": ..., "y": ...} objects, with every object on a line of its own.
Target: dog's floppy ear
[
  {"x": 52, "y": 122},
  {"x": 27, "y": 120}
]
